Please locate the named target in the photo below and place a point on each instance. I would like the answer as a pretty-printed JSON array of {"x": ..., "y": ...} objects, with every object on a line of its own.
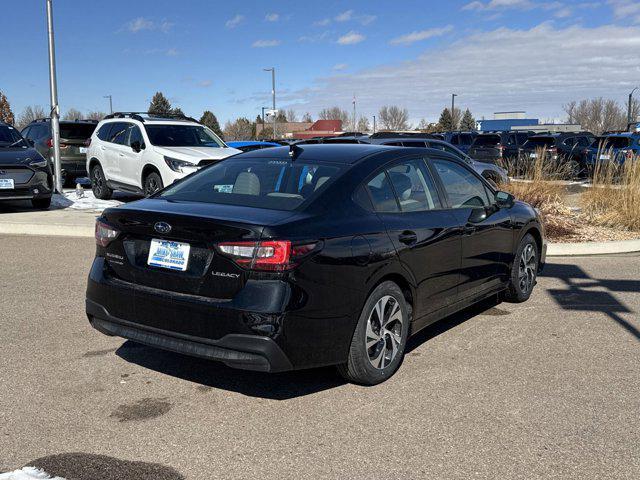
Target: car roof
[
  {"x": 343, "y": 153},
  {"x": 247, "y": 143}
]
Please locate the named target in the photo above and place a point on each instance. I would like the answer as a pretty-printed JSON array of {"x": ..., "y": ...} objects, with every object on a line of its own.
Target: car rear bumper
[{"x": 249, "y": 352}]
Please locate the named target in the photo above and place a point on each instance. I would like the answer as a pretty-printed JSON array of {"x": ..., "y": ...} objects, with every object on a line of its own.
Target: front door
[{"x": 487, "y": 233}]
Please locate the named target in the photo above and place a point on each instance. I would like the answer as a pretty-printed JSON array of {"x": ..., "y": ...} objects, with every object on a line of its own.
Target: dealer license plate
[
  {"x": 6, "y": 184},
  {"x": 168, "y": 254}
]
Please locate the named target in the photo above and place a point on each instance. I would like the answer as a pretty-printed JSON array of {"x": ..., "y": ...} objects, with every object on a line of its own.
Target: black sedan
[
  {"x": 297, "y": 257},
  {"x": 24, "y": 173}
]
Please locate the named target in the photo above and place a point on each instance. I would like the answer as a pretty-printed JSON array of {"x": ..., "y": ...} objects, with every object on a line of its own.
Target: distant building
[
  {"x": 552, "y": 127},
  {"x": 507, "y": 121},
  {"x": 319, "y": 128}
]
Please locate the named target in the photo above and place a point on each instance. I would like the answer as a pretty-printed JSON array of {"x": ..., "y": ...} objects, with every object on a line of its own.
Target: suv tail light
[
  {"x": 628, "y": 155},
  {"x": 269, "y": 255},
  {"x": 87, "y": 142},
  {"x": 50, "y": 143},
  {"x": 105, "y": 234}
]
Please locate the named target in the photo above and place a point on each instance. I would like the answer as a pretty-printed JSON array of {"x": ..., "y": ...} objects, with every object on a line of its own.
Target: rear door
[
  {"x": 424, "y": 234},
  {"x": 114, "y": 151},
  {"x": 487, "y": 241},
  {"x": 131, "y": 162}
]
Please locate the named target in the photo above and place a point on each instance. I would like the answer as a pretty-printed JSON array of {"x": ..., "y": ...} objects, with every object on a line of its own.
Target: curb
[
  {"x": 46, "y": 230},
  {"x": 592, "y": 248}
]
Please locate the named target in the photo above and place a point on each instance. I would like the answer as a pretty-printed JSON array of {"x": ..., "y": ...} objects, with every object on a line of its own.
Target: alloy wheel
[
  {"x": 527, "y": 269},
  {"x": 97, "y": 181},
  {"x": 384, "y": 332},
  {"x": 151, "y": 186}
]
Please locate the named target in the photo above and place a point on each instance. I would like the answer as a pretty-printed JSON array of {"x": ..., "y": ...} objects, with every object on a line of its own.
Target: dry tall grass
[{"x": 614, "y": 200}]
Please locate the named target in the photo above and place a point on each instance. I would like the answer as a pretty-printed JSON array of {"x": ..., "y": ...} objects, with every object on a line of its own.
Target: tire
[
  {"x": 68, "y": 182},
  {"x": 152, "y": 183},
  {"x": 523, "y": 271},
  {"x": 41, "y": 203},
  {"x": 373, "y": 365},
  {"x": 99, "y": 183}
]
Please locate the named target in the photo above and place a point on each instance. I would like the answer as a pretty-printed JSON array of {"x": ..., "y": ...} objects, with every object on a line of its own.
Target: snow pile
[
  {"x": 85, "y": 201},
  {"x": 28, "y": 473}
]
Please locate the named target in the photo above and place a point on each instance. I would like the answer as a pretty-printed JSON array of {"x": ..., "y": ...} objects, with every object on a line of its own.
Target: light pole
[
  {"x": 374, "y": 124},
  {"x": 110, "y": 102},
  {"x": 262, "y": 130},
  {"x": 273, "y": 94},
  {"x": 629, "y": 119},
  {"x": 55, "y": 109},
  {"x": 453, "y": 103}
]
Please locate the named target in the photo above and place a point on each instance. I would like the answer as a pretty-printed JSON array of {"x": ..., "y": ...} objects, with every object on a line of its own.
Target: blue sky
[{"x": 495, "y": 54}]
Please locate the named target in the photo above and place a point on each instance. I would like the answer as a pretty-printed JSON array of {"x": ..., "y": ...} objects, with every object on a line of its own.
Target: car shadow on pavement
[
  {"x": 585, "y": 293},
  {"x": 274, "y": 386}
]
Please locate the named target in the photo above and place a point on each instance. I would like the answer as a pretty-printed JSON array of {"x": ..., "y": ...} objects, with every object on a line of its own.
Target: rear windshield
[
  {"x": 487, "y": 140},
  {"x": 613, "y": 142},
  {"x": 182, "y": 136},
  {"x": 76, "y": 131},
  {"x": 9, "y": 136},
  {"x": 255, "y": 182},
  {"x": 540, "y": 142}
]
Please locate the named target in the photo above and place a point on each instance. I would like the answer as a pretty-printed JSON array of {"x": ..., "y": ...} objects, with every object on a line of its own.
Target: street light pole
[
  {"x": 374, "y": 124},
  {"x": 262, "y": 130},
  {"x": 110, "y": 103},
  {"x": 55, "y": 109},
  {"x": 273, "y": 94},
  {"x": 629, "y": 119},
  {"x": 453, "y": 102}
]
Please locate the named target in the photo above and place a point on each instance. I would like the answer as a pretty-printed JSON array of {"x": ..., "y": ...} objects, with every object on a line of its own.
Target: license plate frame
[
  {"x": 169, "y": 254},
  {"x": 7, "y": 184}
]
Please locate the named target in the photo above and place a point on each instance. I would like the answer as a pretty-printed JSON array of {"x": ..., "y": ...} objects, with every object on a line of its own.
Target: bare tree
[
  {"x": 597, "y": 115},
  {"x": 241, "y": 129},
  {"x": 423, "y": 125},
  {"x": 335, "y": 113},
  {"x": 307, "y": 118},
  {"x": 95, "y": 115},
  {"x": 394, "y": 118},
  {"x": 72, "y": 114},
  {"x": 363, "y": 125},
  {"x": 291, "y": 115},
  {"x": 28, "y": 115}
]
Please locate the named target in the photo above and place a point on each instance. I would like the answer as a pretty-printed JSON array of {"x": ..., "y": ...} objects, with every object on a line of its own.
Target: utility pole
[
  {"x": 354, "y": 112},
  {"x": 110, "y": 103},
  {"x": 55, "y": 109},
  {"x": 374, "y": 124},
  {"x": 453, "y": 103},
  {"x": 273, "y": 94},
  {"x": 629, "y": 119}
]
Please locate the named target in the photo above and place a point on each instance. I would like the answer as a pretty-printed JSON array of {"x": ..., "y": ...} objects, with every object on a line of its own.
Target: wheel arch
[
  {"x": 402, "y": 280},
  {"x": 92, "y": 163},
  {"x": 146, "y": 170}
]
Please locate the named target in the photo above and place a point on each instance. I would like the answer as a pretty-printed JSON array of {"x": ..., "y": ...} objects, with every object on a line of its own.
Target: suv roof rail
[
  {"x": 151, "y": 116},
  {"x": 401, "y": 135}
]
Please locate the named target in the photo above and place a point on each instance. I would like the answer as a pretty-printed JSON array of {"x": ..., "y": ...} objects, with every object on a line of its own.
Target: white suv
[{"x": 141, "y": 153}]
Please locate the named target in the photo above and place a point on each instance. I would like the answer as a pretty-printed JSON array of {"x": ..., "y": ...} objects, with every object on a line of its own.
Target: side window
[
  {"x": 25, "y": 132},
  {"x": 413, "y": 186},
  {"x": 455, "y": 139},
  {"x": 466, "y": 139},
  {"x": 103, "y": 132},
  {"x": 463, "y": 188},
  {"x": 118, "y": 133},
  {"x": 521, "y": 137},
  {"x": 511, "y": 139},
  {"x": 361, "y": 197},
  {"x": 382, "y": 196},
  {"x": 135, "y": 135},
  {"x": 393, "y": 144},
  {"x": 569, "y": 142}
]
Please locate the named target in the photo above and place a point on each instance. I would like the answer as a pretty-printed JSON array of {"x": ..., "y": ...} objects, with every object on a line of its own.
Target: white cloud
[
  {"x": 351, "y": 38},
  {"x": 314, "y": 38},
  {"x": 272, "y": 17},
  {"x": 322, "y": 23},
  {"x": 344, "y": 16},
  {"x": 414, "y": 37},
  {"x": 626, "y": 9},
  {"x": 265, "y": 43},
  {"x": 537, "y": 70},
  {"x": 204, "y": 83},
  {"x": 139, "y": 24},
  {"x": 340, "y": 66},
  {"x": 172, "y": 52},
  {"x": 235, "y": 21}
]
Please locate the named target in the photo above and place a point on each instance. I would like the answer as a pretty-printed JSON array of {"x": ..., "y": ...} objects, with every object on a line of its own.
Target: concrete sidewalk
[{"x": 60, "y": 222}]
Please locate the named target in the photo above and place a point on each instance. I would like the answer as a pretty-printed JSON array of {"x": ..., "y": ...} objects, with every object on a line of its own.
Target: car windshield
[
  {"x": 255, "y": 182},
  {"x": 76, "y": 131},
  {"x": 9, "y": 137},
  {"x": 182, "y": 136},
  {"x": 613, "y": 142},
  {"x": 488, "y": 140},
  {"x": 539, "y": 142}
]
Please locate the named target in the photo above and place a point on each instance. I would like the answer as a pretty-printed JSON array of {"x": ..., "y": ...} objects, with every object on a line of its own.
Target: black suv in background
[
  {"x": 462, "y": 140},
  {"x": 566, "y": 147},
  {"x": 73, "y": 151},
  {"x": 493, "y": 147},
  {"x": 24, "y": 173}
]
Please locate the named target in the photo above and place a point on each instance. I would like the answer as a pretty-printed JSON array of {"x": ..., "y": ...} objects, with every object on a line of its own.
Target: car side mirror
[
  {"x": 478, "y": 214},
  {"x": 504, "y": 199},
  {"x": 137, "y": 146}
]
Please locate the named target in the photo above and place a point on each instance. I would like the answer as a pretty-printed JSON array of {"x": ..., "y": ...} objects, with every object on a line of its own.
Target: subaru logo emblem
[{"x": 162, "y": 227}]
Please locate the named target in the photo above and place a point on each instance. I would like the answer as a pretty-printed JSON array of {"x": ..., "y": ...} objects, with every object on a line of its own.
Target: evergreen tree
[
  {"x": 258, "y": 119},
  {"x": 446, "y": 122},
  {"x": 281, "y": 117},
  {"x": 177, "y": 111},
  {"x": 208, "y": 119},
  {"x": 468, "y": 123},
  {"x": 6, "y": 114},
  {"x": 159, "y": 105}
]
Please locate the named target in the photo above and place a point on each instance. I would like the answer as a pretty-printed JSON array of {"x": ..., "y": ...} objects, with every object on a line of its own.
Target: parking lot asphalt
[{"x": 545, "y": 389}]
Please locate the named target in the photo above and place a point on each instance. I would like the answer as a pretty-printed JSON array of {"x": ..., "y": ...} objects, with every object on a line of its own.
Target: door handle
[
  {"x": 408, "y": 237},
  {"x": 469, "y": 229}
]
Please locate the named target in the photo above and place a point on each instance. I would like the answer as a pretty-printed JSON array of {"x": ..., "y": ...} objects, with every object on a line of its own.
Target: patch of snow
[
  {"x": 28, "y": 473},
  {"x": 85, "y": 201}
]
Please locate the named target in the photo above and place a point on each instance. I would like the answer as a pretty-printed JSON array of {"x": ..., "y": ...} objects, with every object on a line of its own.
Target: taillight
[
  {"x": 50, "y": 143},
  {"x": 500, "y": 148},
  {"x": 270, "y": 255},
  {"x": 105, "y": 234},
  {"x": 629, "y": 155}
]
